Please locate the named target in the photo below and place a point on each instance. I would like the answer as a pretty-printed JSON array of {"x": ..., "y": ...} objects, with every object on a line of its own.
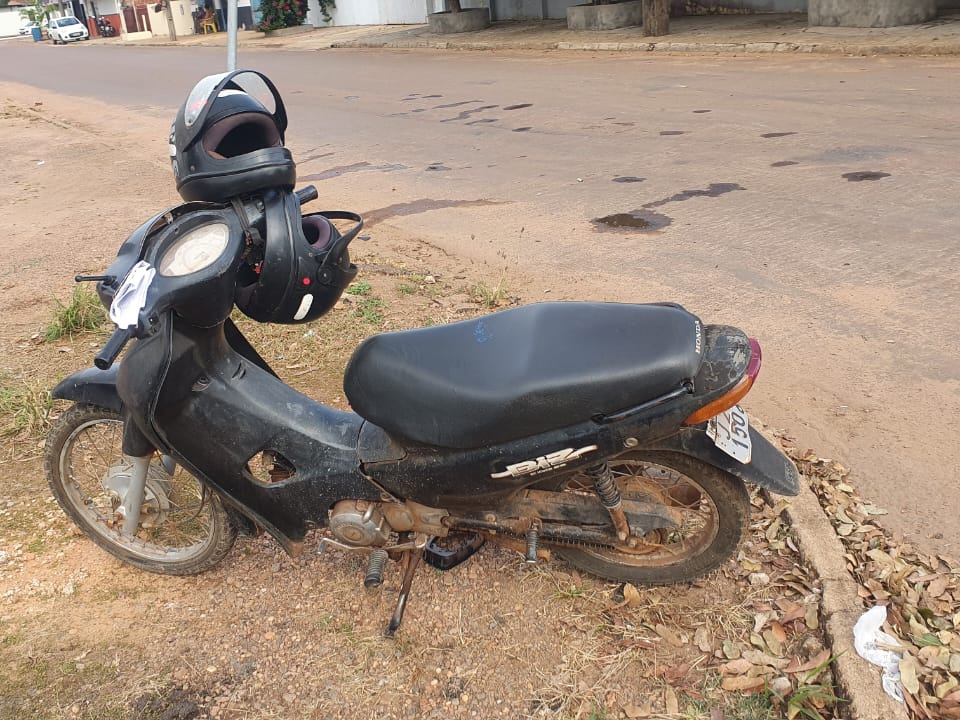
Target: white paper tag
[{"x": 132, "y": 295}]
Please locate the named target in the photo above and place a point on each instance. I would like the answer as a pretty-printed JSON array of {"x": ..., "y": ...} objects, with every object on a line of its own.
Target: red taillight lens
[{"x": 735, "y": 394}]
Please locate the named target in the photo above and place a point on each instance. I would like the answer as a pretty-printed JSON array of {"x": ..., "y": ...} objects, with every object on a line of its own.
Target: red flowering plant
[{"x": 276, "y": 14}]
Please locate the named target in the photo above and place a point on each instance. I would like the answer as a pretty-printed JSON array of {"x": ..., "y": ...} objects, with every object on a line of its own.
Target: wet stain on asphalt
[
  {"x": 698, "y": 112},
  {"x": 308, "y": 158},
  {"x": 355, "y": 167},
  {"x": 776, "y": 135},
  {"x": 418, "y": 96},
  {"x": 419, "y": 110},
  {"x": 518, "y": 106},
  {"x": 624, "y": 124},
  {"x": 415, "y": 207},
  {"x": 784, "y": 163},
  {"x": 864, "y": 175},
  {"x": 856, "y": 154},
  {"x": 713, "y": 190},
  {"x": 673, "y": 132},
  {"x": 456, "y": 104},
  {"x": 633, "y": 220},
  {"x": 482, "y": 121},
  {"x": 464, "y": 114},
  {"x": 522, "y": 129},
  {"x": 437, "y": 167},
  {"x": 628, "y": 179}
]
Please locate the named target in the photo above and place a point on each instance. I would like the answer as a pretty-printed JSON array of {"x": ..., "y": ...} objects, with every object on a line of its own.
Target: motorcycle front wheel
[
  {"x": 713, "y": 506},
  {"x": 184, "y": 528}
]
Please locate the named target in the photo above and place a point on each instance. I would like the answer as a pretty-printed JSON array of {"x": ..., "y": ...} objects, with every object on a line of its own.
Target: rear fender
[
  {"x": 768, "y": 468},
  {"x": 92, "y": 387}
]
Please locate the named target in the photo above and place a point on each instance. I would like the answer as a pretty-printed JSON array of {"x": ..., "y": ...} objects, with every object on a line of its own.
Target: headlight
[{"x": 194, "y": 251}]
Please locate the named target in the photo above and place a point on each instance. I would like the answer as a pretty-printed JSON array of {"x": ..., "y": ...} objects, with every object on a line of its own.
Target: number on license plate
[{"x": 730, "y": 432}]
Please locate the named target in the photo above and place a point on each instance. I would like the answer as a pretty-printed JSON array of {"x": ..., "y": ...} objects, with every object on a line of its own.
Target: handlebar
[
  {"x": 108, "y": 353},
  {"x": 114, "y": 346},
  {"x": 306, "y": 194}
]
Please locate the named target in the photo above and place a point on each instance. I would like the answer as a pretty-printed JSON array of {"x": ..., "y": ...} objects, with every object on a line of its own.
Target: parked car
[
  {"x": 27, "y": 27},
  {"x": 67, "y": 29}
]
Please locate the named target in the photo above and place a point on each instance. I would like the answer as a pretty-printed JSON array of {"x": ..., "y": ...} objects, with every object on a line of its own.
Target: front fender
[
  {"x": 768, "y": 468},
  {"x": 93, "y": 387}
]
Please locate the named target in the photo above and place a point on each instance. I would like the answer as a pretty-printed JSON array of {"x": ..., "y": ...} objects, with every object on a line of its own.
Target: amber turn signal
[{"x": 734, "y": 395}]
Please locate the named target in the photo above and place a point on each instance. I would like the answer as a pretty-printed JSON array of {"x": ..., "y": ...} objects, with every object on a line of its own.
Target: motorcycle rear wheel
[
  {"x": 714, "y": 506},
  {"x": 184, "y": 528}
]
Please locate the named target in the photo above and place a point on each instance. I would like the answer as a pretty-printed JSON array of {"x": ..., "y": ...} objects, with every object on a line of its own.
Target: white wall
[
  {"x": 367, "y": 12},
  {"x": 10, "y": 21}
]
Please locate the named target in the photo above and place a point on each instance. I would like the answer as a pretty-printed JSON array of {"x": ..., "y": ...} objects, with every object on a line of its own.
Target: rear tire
[
  {"x": 184, "y": 528},
  {"x": 715, "y": 503}
]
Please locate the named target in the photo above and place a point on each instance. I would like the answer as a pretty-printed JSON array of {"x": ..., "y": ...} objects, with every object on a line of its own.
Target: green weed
[
  {"x": 83, "y": 313},
  {"x": 370, "y": 310},
  {"x": 361, "y": 287},
  {"x": 24, "y": 407}
]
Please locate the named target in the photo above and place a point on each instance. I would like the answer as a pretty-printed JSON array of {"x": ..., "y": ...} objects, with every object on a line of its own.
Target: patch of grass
[
  {"x": 490, "y": 297},
  {"x": 407, "y": 289},
  {"x": 361, "y": 287},
  {"x": 570, "y": 593},
  {"x": 811, "y": 698},
  {"x": 83, "y": 313},
  {"x": 37, "y": 546},
  {"x": 370, "y": 310},
  {"x": 24, "y": 407}
]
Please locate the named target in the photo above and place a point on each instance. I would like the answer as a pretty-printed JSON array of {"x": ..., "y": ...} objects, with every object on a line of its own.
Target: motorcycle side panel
[
  {"x": 216, "y": 412},
  {"x": 768, "y": 468}
]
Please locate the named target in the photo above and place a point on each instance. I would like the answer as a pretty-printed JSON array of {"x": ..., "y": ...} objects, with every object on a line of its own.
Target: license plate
[{"x": 730, "y": 432}]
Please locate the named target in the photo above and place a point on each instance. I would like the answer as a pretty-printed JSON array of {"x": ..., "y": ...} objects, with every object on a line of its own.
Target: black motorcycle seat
[{"x": 522, "y": 371}]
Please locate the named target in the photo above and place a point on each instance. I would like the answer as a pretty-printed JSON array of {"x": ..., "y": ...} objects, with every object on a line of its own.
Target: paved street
[{"x": 811, "y": 201}]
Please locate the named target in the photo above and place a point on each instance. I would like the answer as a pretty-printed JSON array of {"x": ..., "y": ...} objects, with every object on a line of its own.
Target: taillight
[{"x": 735, "y": 394}]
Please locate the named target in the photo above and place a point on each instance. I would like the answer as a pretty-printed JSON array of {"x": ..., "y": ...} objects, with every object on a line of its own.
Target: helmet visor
[{"x": 252, "y": 83}]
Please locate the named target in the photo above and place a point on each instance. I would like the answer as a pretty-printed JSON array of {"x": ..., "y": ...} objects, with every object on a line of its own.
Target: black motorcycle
[
  {"x": 606, "y": 433},
  {"x": 105, "y": 28}
]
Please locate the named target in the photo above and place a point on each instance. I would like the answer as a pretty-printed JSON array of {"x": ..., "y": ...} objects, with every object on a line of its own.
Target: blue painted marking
[{"x": 481, "y": 334}]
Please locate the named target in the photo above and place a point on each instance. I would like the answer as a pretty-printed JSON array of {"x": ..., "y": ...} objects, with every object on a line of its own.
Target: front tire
[
  {"x": 714, "y": 505},
  {"x": 184, "y": 528}
]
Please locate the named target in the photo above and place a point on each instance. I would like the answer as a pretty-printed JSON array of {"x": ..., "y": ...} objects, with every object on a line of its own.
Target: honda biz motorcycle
[{"x": 608, "y": 434}]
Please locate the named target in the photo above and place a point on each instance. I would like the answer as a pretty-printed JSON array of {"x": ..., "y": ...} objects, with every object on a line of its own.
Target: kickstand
[{"x": 411, "y": 560}]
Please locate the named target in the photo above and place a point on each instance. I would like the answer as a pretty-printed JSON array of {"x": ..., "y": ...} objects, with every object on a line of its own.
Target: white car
[
  {"x": 27, "y": 27},
  {"x": 67, "y": 29}
]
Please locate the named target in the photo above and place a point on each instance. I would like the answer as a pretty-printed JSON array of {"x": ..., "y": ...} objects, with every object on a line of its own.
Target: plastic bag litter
[{"x": 867, "y": 635}]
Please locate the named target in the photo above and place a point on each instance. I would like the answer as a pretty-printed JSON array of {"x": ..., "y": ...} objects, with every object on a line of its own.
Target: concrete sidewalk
[{"x": 712, "y": 34}]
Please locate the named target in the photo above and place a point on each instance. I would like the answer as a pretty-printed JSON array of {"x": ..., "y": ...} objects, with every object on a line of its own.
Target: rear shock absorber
[
  {"x": 606, "y": 486},
  {"x": 533, "y": 543}
]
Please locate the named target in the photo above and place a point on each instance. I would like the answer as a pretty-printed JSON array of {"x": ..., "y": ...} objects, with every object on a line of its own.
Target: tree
[
  {"x": 656, "y": 17},
  {"x": 37, "y": 13}
]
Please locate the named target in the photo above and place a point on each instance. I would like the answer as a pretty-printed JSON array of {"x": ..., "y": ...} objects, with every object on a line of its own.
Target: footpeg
[
  {"x": 443, "y": 558},
  {"x": 375, "y": 565}
]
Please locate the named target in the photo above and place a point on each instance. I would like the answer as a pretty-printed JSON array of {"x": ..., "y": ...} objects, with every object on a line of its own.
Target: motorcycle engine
[{"x": 359, "y": 522}]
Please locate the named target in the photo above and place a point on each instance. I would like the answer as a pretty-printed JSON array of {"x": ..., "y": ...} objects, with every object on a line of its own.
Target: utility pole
[{"x": 231, "y": 35}]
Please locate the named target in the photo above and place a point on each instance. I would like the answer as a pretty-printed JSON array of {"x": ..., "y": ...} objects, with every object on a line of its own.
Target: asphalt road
[{"x": 812, "y": 201}]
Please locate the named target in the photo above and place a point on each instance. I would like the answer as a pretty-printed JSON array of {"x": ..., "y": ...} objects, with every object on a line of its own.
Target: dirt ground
[{"x": 268, "y": 636}]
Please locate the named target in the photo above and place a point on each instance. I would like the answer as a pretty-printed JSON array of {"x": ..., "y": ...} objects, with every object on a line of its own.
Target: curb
[
  {"x": 840, "y": 608},
  {"x": 704, "y": 48}
]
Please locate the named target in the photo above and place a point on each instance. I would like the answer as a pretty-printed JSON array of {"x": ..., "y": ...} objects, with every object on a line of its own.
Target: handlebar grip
[
  {"x": 108, "y": 353},
  {"x": 306, "y": 194}
]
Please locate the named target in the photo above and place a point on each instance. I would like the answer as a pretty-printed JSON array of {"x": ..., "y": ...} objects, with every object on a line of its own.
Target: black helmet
[
  {"x": 302, "y": 266},
  {"x": 227, "y": 139}
]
